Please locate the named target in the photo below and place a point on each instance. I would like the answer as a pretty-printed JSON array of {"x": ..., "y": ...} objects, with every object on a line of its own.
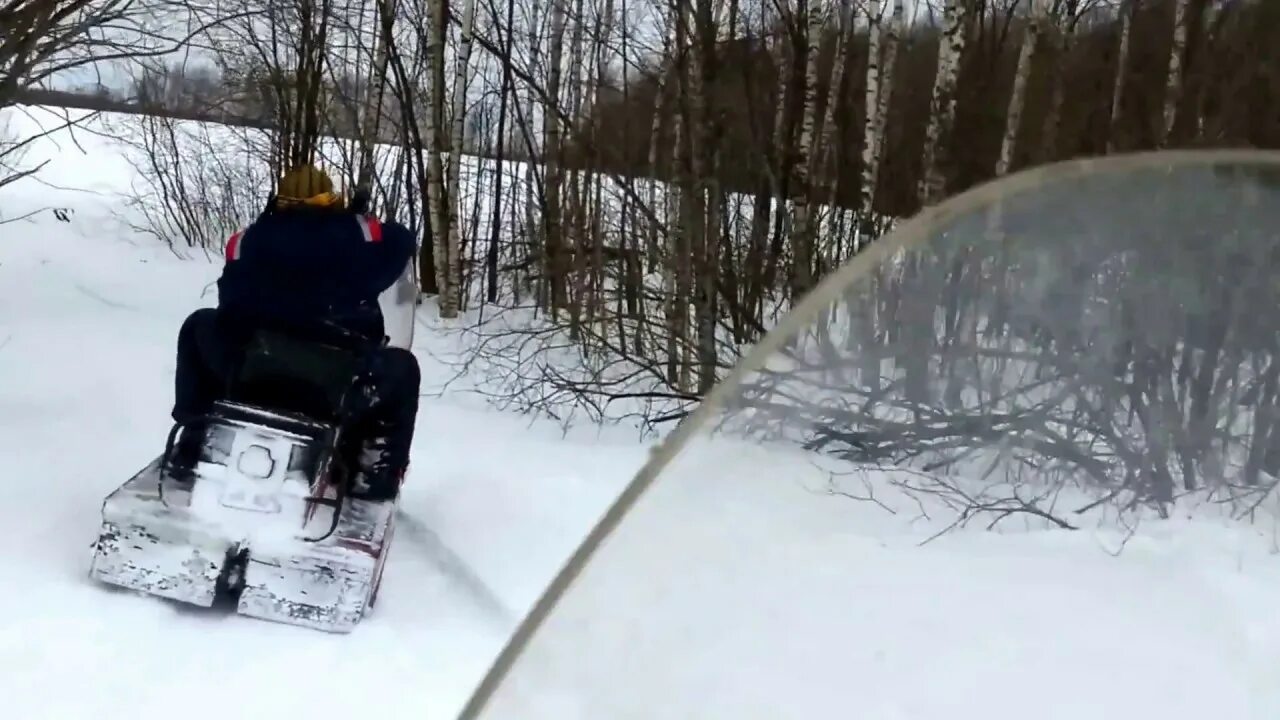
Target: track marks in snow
[{"x": 452, "y": 566}]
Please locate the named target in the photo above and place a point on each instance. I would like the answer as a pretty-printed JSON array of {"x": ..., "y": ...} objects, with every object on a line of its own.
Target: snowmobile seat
[{"x": 290, "y": 374}]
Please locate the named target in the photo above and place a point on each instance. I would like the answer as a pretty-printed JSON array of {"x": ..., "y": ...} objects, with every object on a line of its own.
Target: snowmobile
[{"x": 273, "y": 520}]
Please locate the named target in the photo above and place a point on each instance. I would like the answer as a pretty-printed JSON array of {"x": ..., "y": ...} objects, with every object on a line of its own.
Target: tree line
[{"x": 662, "y": 178}]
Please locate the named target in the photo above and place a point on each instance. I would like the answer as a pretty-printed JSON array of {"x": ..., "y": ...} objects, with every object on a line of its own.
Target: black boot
[
  {"x": 379, "y": 473},
  {"x": 187, "y": 452},
  {"x": 388, "y": 426}
]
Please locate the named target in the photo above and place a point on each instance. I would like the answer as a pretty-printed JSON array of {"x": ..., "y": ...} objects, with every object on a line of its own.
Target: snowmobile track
[{"x": 453, "y": 567}]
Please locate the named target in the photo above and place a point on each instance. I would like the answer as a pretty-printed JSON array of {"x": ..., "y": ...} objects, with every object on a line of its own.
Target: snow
[
  {"x": 739, "y": 587},
  {"x": 779, "y": 600}
]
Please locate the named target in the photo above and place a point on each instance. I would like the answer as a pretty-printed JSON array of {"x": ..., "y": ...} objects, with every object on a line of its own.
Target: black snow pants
[{"x": 209, "y": 352}]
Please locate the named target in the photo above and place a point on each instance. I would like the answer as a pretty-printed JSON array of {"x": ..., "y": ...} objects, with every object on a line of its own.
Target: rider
[{"x": 307, "y": 264}]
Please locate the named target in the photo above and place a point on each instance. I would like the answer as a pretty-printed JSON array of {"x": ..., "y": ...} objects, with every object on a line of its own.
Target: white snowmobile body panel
[
  {"x": 399, "y": 303},
  {"x": 248, "y": 526},
  {"x": 150, "y": 545},
  {"x": 329, "y": 586}
]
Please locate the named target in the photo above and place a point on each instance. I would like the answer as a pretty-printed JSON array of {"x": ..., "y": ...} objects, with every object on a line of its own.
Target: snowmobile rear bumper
[
  {"x": 331, "y": 584},
  {"x": 152, "y": 541}
]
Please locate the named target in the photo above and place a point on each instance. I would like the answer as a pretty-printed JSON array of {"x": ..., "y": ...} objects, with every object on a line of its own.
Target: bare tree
[
  {"x": 1127, "y": 12},
  {"x": 1174, "y": 78},
  {"x": 942, "y": 108},
  {"x": 1018, "y": 96},
  {"x": 802, "y": 230},
  {"x": 878, "y": 113},
  {"x": 554, "y": 266},
  {"x": 451, "y": 275},
  {"x": 375, "y": 93}
]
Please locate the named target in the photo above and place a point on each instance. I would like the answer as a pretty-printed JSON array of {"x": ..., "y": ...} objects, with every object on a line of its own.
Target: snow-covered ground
[{"x": 738, "y": 589}]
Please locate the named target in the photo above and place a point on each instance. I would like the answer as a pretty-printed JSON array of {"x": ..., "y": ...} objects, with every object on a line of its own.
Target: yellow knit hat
[{"x": 306, "y": 185}]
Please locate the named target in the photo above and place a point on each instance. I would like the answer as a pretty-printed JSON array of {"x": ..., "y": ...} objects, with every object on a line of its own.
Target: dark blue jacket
[{"x": 302, "y": 270}]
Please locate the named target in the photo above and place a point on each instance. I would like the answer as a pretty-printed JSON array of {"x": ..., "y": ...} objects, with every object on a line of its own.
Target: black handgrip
[{"x": 360, "y": 201}]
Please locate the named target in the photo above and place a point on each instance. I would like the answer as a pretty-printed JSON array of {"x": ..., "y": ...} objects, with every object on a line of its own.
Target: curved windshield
[
  {"x": 989, "y": 469},
  {"x": 399, "y": 303}
]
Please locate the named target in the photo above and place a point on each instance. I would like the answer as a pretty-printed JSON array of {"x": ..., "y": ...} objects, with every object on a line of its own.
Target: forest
[{"x": 617, "y": 198}]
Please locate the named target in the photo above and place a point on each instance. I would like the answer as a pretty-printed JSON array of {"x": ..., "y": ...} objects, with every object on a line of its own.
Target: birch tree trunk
[
  {"x": 660, "y": 108},
  {"x": 802, "y": 231},
  {"x": 574, "y": 223},
  {"x": 595, "y": 305},
  {"x": 413, "y": 160},
  {"x": 827, "y": 148},
  {"x": 679, "y": 275},
  {"x": 780, "y": 154},
  {"x": 870, "y": 143},
  {"x": 435, "y": 165},
  {"x": 552, "y": 235},
  {"x": 1173, "y": 83},
  {"x": 942, "y": 108},
  {"x": 371, "y": 123},
  {"x": 827, "y": 165},
  {"x": 878, "y": 119},
  {"x": 1122, "y": 71},
  {"x": 752, "y": 278},
  {"x": 672, "y": 307},
  {"x": 531, "y": 98},
  {"x": 1018, "y": 96},
  {"x": 1062, "y": 25},
  {"x": 706, "y": 212},
  {"x": 505, "y": 91},
  {"x": 449, "y": 286},
  {"x": 1214, "y": 15},
  {"x": 633, "y": 314},
  {"x": 917, "y": 339}
]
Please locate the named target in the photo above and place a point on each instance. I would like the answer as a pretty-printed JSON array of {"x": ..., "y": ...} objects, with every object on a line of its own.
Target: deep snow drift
[{"x": 1041, "y": 623}]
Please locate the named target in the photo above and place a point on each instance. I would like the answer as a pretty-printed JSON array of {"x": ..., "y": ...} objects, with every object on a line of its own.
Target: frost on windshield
[{"x": 1067, "y": 358}]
